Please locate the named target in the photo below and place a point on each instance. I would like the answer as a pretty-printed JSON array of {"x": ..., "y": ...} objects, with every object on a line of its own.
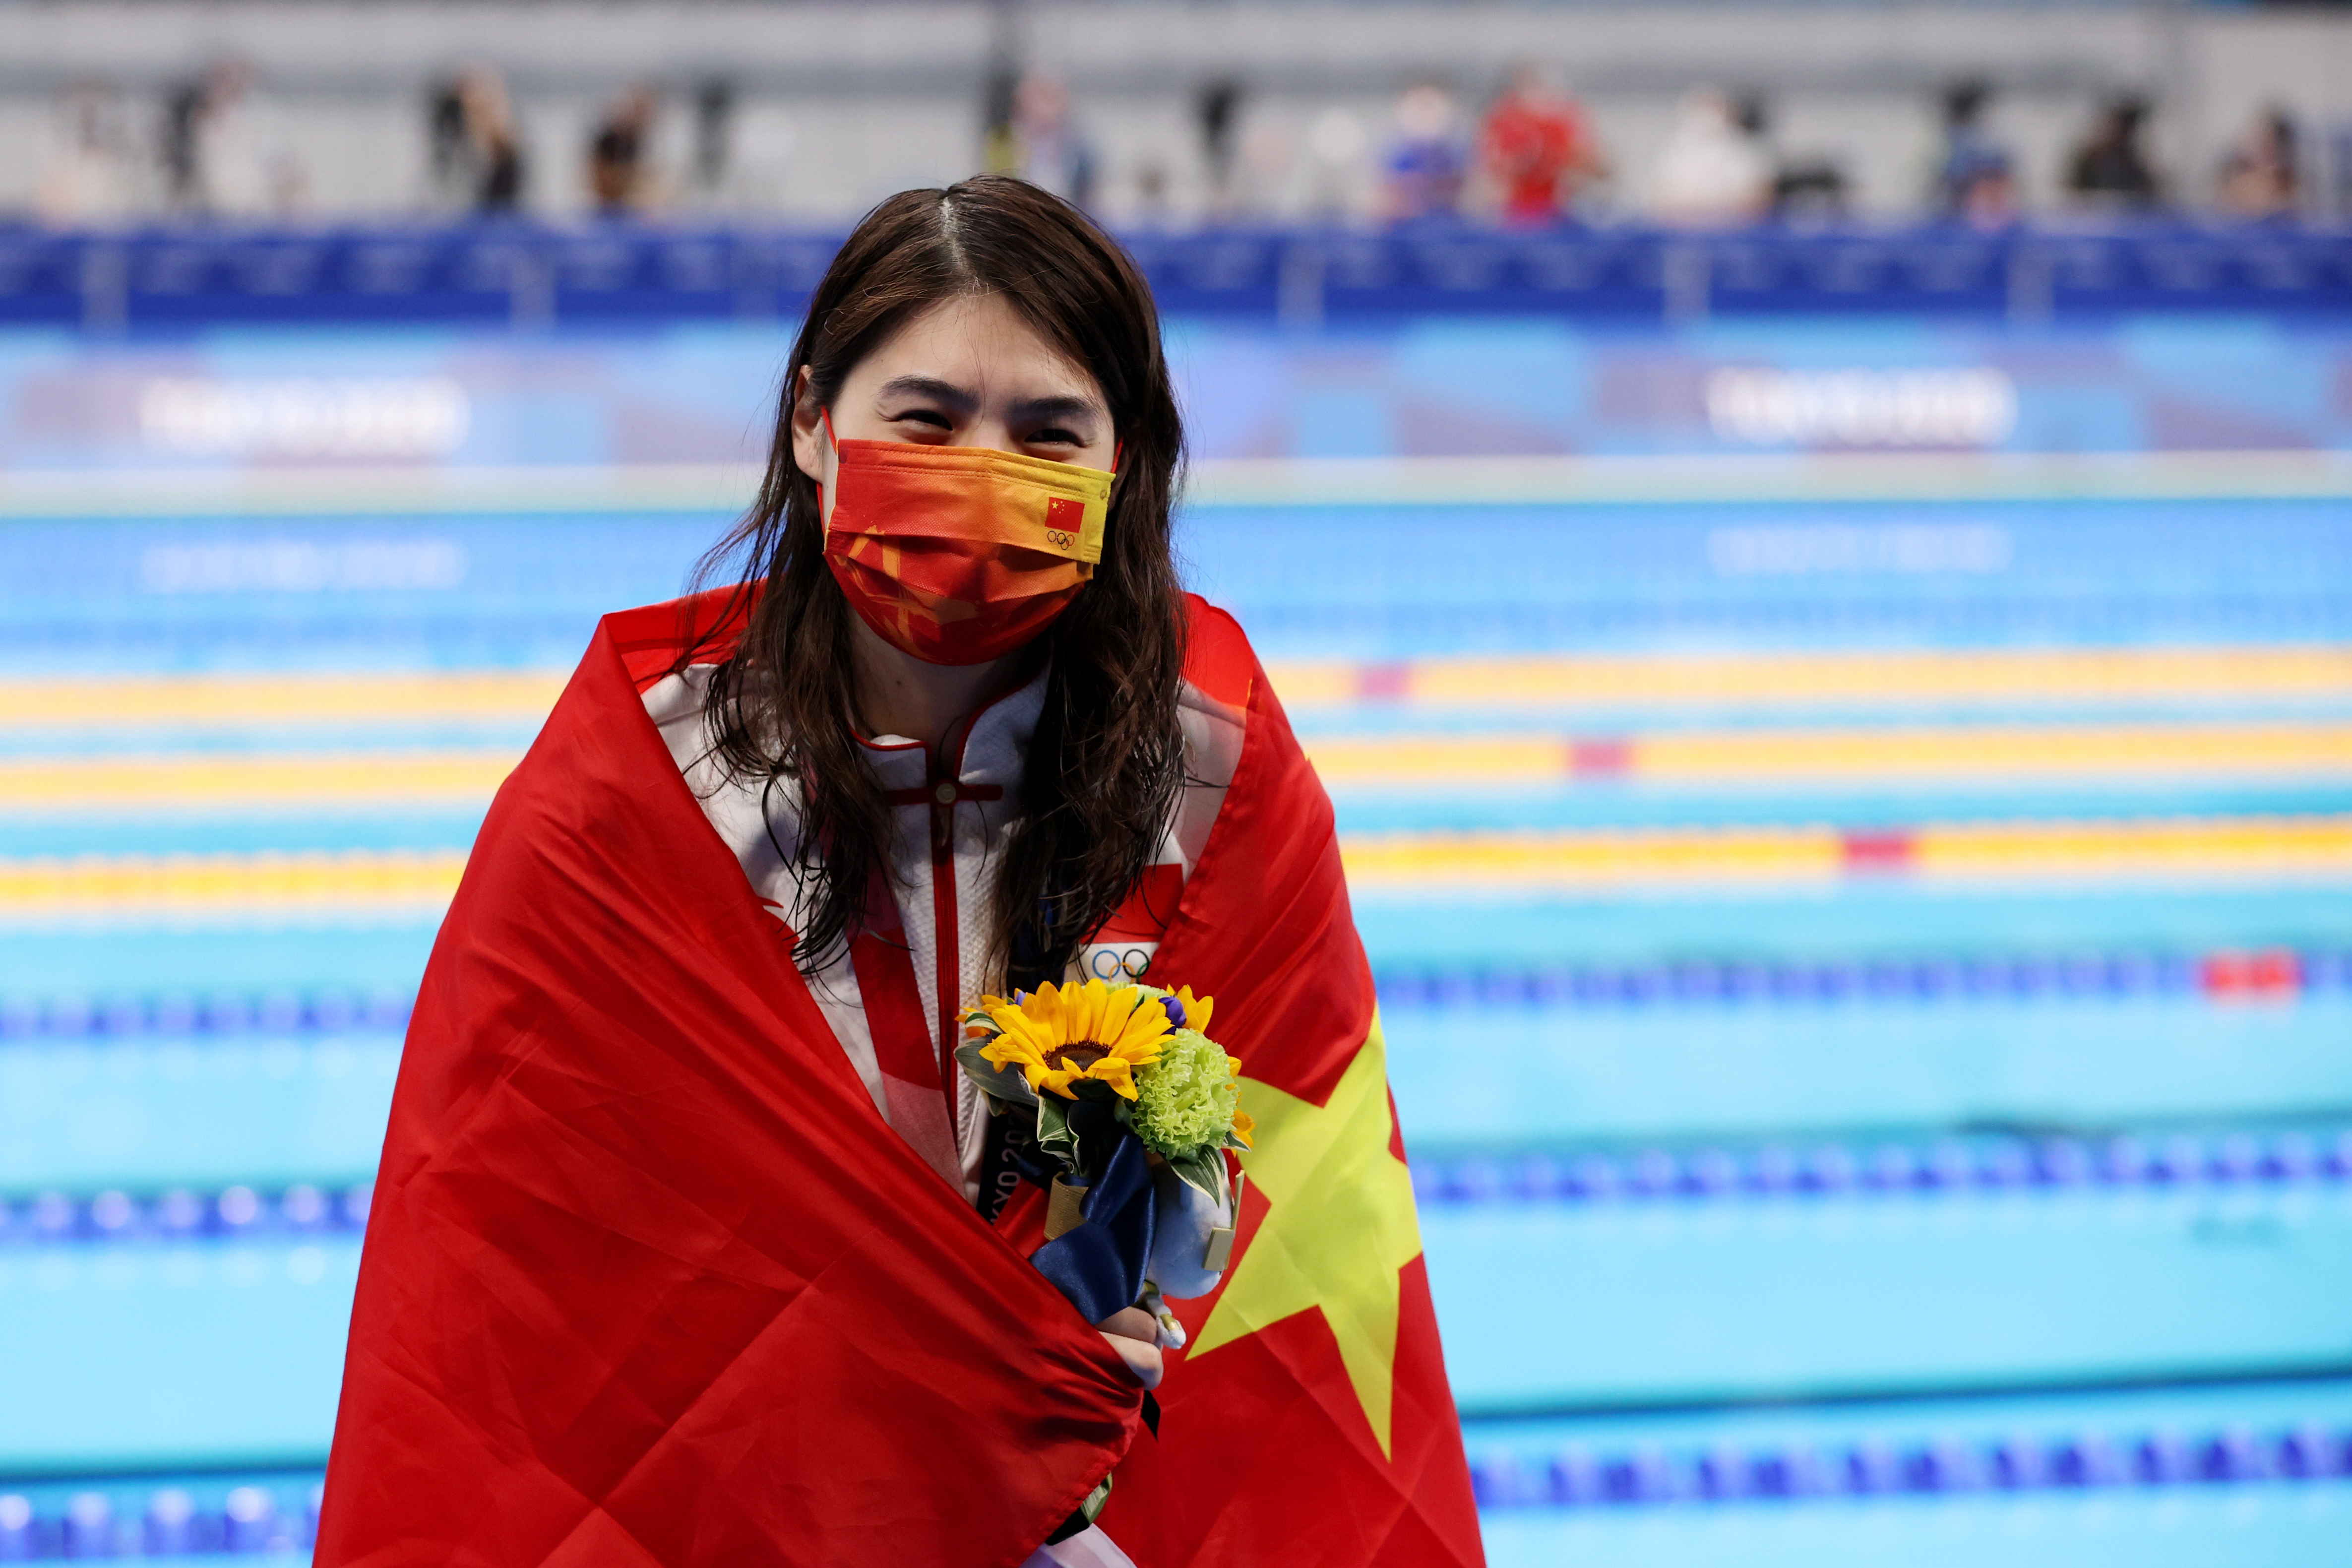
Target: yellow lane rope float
[
  {"x": 251, "y": 780},
  {"x": 107, "y": 702},
  {"x": 418, "y": 883},
  {"x": 2090, "y": 852},
  {"x": 374, "y": 882},
  {"x": 2122, "y": 753},
  {"x": 1868, "y": 677},
  {"x": 1919, "y": 679}
]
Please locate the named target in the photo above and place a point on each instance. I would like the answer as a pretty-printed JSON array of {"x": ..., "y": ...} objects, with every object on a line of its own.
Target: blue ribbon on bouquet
[{"x": 1100, "y": 1265}]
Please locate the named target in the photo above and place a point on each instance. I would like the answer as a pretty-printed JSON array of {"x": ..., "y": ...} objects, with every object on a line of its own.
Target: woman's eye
[
  {"x": 930, "y": 417},
  {"x": 1055, "y": 435}
]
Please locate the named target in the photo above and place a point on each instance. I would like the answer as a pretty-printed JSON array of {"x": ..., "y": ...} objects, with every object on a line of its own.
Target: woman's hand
[{"x": 1131, "y": 1332}]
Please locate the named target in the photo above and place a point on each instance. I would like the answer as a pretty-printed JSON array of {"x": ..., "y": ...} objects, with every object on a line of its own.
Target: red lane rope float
[{"x": 2291, "y": 850}]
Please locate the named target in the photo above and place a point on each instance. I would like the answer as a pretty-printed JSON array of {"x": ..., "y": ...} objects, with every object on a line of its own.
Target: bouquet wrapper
[{"x": 1100, "y": 1265}]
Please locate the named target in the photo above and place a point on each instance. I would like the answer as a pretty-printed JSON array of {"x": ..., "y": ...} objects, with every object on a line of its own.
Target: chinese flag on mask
[{"x": 648, "y": 1280}]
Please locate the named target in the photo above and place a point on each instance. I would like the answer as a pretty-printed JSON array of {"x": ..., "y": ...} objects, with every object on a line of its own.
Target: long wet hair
[{"x": 1106, "y": 761}]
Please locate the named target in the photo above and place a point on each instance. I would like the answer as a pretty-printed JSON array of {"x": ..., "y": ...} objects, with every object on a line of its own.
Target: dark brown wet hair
[{"x": 1106, "y": 761}]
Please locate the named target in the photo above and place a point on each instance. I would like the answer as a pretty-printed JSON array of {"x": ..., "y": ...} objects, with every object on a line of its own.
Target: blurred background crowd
[{"x": 1176, "y": 115}]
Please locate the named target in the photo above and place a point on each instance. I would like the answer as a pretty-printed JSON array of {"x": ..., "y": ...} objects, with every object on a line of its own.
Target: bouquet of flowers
[
  {"x": 1103, "y": 1064},
  {"x": 1126, "y": 1085}
]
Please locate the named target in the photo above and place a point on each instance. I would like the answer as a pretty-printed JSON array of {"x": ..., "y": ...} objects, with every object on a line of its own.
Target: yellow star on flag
[{"x": 1340, "y": 1225}]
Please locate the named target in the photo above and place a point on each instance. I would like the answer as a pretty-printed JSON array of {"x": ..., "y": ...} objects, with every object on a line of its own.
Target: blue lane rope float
[
  {"x": 246, "y": 1520},
  {"x": 1822, "y": 1170},
  {"x": 1924, "y": 980},
  {"x": 1941, "y": 1165},
  {"x": 1575, "y": 1476},
  {"x": 2268, "y": 975},
  {"x": 183, "y": 1215},
  {"x": 182, "y": 1014}
]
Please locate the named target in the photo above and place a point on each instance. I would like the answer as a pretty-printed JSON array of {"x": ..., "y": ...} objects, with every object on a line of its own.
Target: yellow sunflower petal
[
  {"x": 1057, "y": 1080},
  {"x": 1010, "y": 1050},
  {"x": 1058, "y": 1004},
  {"x": 1139, "y": 1033},
  {"x": 1144, "y": 1034},
  {"x": 1117, "y": 1073},
  {"x": 1045, "y": 1008},
  {"x": 1244, "y": 1127},
  {"x": 1019, "y": 1030},
  {"x": 1139, "y": 1053},
  {"x": 1118, "y": 1006},
  {"x": 1081, "y": 1006}
]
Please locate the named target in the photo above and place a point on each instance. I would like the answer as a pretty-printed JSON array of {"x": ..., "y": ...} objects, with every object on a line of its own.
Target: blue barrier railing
[{"x": 618, "y": 273}]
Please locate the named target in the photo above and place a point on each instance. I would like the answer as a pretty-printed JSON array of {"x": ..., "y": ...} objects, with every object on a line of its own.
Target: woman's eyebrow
[
  {"x": 930, "y": 386},
  {"x": 1063, "y": 408}
]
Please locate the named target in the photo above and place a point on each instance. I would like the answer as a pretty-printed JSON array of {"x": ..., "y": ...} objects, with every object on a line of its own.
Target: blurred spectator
[
  {"x": 1219, "y": 108},
  {"x": 1422, "y": 172},
  {"x": 2110, "y": 169},
  {"x": 477, "y": 162},
  {"x": 1265, "y": 183},
  {"x": 1974, "y": 184},
  {"x": 87, "y": 177},
  {"x": 1044, "y": 143},
  {"x": 714, "y": 132},
  {"x": 1712, "y": 171},
  {"x": 2331, "y": 177},
  {"x": 1152, "y": 205},
  {"x": 620, "y": 174},
  {"x": 1338, "y": 150},
  {"x": 2260, "y": 178},
  {"x": 183, "y": 106},
  {"x": 1804, "y": 189},
  {"x": 227, "y": 151},
  {"x": 1537, "y": 149},
  {"x": 449, "y": 156},
  {"x": 1809, "y": 190}
]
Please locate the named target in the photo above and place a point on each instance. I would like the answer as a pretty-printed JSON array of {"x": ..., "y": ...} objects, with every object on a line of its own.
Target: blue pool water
[{"x": 1870, "y": 1216}]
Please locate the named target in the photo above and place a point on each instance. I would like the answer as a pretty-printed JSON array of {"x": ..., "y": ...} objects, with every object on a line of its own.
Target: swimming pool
[{"x": 1867, "y": 974}]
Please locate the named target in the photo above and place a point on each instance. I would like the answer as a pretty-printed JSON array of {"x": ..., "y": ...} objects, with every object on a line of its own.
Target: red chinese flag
[
  {"x": 648, "y": 1281},
  {"x": 1310, "y": 1421}
]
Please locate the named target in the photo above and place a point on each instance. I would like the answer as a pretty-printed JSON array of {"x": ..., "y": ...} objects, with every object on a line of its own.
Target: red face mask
[{"x": 960, "y": 554}]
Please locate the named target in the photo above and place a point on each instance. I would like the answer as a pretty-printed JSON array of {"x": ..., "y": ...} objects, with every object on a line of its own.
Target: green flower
[{"x": 1186, "y": 1102}]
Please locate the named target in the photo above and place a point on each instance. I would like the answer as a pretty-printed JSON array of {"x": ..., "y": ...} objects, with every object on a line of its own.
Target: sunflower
[{"x": 1058, "y": 1035}]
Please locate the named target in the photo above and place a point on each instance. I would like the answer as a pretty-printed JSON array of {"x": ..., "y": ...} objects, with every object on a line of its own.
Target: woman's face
[{"x": 969, "y": 372}]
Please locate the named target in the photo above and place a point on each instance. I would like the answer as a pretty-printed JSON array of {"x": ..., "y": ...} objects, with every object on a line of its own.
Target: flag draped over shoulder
[
  {"x": 1308, "y": 1422},
  {"x": 648, "y": 1280}
]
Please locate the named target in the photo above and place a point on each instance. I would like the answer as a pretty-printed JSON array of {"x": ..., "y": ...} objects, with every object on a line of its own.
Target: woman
[{"x": 690, "y": 1243}]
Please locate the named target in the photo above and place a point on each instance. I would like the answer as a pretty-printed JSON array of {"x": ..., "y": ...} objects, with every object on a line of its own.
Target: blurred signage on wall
[
  {"x": 1461, "y": 409},
  {"x": 293, "y": 566},
  {"x": 301, "y": 419},
  {"x": 1967, "y": 408}
]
